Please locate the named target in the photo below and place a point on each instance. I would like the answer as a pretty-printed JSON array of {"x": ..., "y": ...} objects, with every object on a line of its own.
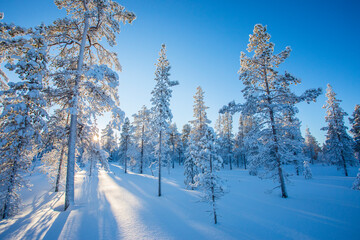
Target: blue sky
[{"x": 204, "y": 40}]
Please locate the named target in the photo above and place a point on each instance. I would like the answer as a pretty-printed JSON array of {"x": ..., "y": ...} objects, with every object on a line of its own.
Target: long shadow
[
  {"x": 19, "y": 224},
  {"x": 154, "y": 206},
  {"x": 92, "y": 219},
  {"x": 57, "y": 226}
]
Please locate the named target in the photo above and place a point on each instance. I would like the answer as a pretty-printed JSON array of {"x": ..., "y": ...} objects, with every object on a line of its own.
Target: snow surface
[{"x": 125, "y": 206}]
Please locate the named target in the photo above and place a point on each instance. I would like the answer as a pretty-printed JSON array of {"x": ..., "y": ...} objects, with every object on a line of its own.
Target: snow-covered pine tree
[
  {"x": 174, "y": 139},
  {"x": 294, "y": 135},
  {"x": 268, "y": 97},
  {"x": 355, "y": 129},
  {"x": 12, "y": 37},
  {"x": 142, "y": 136},
  {"x": 161, "y": 113},
  {"x": 185, "y": 135},
  {"x": 307, "y": 171},
  {"x": 227, "y": 141},
  {"x": 22, "y": 119},
  {"x": 210, "y": 162},
  {"x": 312, "y": 147},
  {"x": 94, "y": 151},
  {"x": 190, "y": 168},
  {"x": 88, "y": 25},
  {"x": 56, "y": 138},
  {"x": 219, "y": 131},
  {"x": 198, "y": 129},
  {"x": 240, "y": 150},
  {"x": 338, "y": 147},
  {"x": 108, "y": 142},
  {"x": 356, "y": 184},
  {"x": 126, "y": 142}
]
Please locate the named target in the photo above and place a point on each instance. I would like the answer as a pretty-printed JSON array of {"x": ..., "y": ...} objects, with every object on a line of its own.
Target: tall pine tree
[
  {"x": 355, "y": 129},
  {"x": 338, "y": 147},
  {"x": 161, "y": 112},
  {"x": 79, "y": 40},
  {"x": 199, "y": 127},
  {"x": 269, "y": 98}
]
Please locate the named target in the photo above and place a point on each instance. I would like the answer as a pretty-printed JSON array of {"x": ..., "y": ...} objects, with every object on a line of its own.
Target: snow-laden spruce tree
[
  {"x": 338, "y": 148},
  {"x": 56, "y": 138},
  {"x": 126, "y": 143},
  {"x": 307, "y": 171},
  {"x": 198, "y": 129},
  {"x": 355, "y": 129},
  {"x": 240, "y": 149},
  {"x": 356, "y": 184},
  {"x": 185, "y": 136},
  {"x": 293, "y": 123},
  {"x": 12, "y": 37},
  {"x": 22, "y": 119},
  {"x": 79, "y": 41},
  {"x": 142, "y": 137},
  {"x": 161, "y": 112},
  {"x": 94, "y": 152},
  {"x": 312, "y": 147},
  {"x": 108, "y": 142},
  {"x": 210, "y": 162},
  {"x": 227, "y": 140},
  {"x": 174, "y": 142},
  {"x": 269, "y": 98}
]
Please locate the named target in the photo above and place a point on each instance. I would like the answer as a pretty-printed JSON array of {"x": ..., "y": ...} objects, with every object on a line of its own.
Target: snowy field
[{"x": 125, "y": 206}]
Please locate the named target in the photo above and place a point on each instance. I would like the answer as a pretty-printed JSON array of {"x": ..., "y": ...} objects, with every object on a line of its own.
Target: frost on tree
[
  {"x": 23, "y": 116},
  {"x": 307, "y": 170},
  {"x": 12, "y": 37},
  {"x": 293, "y": 123},
  {"x": 269, "y": 98},
  {"x": 355, "y": 129},
  {"x": 94, "y": 152},
  {"x": 240, "y": 148},
  {"x": 312, "y": 148},
  {"x": 108, "y": 141},
  {"x": 161, "y": 113},
  {"x": 198, "y": 129},
  {"x": 142, "y": 135},
  {"x": 78, "y": 43},
  {"x": 174, "y": 143},
  {"x": 185, "y": 135},
  {"x": 226, "y": 138},
  {"x": 210, "y": 162},
  {"x": 338, "y": 148},
  {"x": 126, "y": 143},
  {"x": 356, "y": 184},
  {"x": 54, "y": 161}
]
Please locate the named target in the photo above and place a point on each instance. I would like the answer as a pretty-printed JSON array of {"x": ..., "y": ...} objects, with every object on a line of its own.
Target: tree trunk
[
  {"x": 69, "y": 193},
  {"x": 276, "y": 150},
  {"x": 230, "y": 161},
  {"x": 244, "y": 157},
  {"x": 159, "y": 194},
  {"x": 125, "y": 154},
  {"x": 142, "y": 150},
  {"x": 5, "y": 210},
  {"x": 213, "y": 191},
  {"x": 173, "y": 157},
  {"x": 59, "y": 169},
  {"x": 344, "y": 163}
]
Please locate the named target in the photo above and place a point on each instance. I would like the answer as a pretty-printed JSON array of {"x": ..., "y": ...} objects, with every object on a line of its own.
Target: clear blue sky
[{"x": 204, "y": 39}]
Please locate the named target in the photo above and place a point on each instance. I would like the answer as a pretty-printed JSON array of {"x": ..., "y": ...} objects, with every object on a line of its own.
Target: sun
[{"x": 96, "y": 138}]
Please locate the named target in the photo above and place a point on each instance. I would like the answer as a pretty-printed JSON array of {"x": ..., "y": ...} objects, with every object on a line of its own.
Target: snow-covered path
[{"x": 125, "y": 206}]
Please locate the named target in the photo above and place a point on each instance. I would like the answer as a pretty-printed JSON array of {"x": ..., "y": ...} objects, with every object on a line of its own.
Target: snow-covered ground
[{"x": 125, "y": 206}]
